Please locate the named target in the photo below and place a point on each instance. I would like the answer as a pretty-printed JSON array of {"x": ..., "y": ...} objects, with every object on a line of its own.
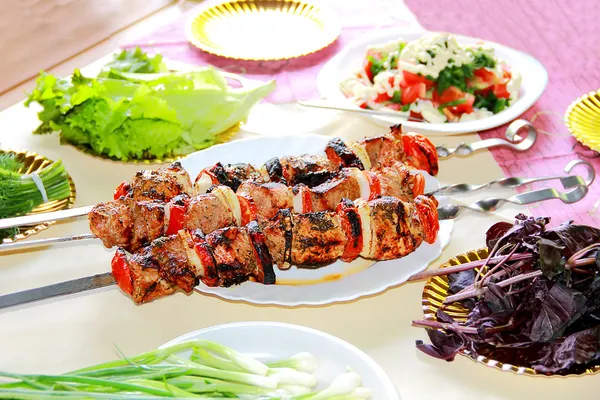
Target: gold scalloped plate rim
[
  {"x": 34, "y": 162},
  {"x": 222, "y": 137},
  {"x": 328, "y": 19},
  {"x": 583, "y": 122},
  {"x": 436, "y": 291}
]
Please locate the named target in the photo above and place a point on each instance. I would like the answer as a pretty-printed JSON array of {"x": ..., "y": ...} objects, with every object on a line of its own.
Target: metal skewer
[
  {"x": 513, "y": 182},
  {"x": 35, "y": 219}
]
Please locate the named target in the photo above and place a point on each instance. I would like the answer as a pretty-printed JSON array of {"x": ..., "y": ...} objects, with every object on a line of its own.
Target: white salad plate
[
  {"x": 337, "y": 282},
  {"x": 270, "y": 341},
  {"x": 350, "y": 59}
]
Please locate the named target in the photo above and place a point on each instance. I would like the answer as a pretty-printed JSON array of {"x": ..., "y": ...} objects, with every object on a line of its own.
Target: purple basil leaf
[
  {"x": 579, "y": 348},
  {"x": 443, "y": 345},
  {"x": 575, "y": 237},
  {"x": 496, "y": 298},
  {"x": 444, "y": 317},
  {"x": 460, "y": 280},
  {"x": 495, "y": 232},
  {"x": 559, "y": 308},
  {"x": 551, "y": 260}
]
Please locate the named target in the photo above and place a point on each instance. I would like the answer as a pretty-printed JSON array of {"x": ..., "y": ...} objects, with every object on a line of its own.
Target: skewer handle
[
  {"x": 35, "y": 219},
  {"x": 26, "y": 244}
]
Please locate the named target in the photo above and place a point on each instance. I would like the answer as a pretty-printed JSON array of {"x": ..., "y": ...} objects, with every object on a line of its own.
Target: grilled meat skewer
[
  {"x": 129, "y": 224},
  {"x": 380, "y": 229},
  {"x": 368, "y": 154}
]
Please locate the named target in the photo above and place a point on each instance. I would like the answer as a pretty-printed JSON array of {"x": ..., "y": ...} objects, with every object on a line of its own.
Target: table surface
[{"x": 68, "y": 333}]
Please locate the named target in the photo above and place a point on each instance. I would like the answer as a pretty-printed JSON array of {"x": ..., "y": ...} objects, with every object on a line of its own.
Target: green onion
[
  {"x": 19, "y": 193},
  {"x": 208, "y": 371}
]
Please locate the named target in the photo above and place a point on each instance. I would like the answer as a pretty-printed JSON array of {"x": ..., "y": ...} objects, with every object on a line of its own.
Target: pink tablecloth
[{"x": 563, "y": 37}]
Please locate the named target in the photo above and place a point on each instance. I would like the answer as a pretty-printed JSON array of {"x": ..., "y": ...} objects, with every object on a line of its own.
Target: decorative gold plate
[
  {"x": 34, "y": 162},
  {"x": 436, "y": 291},
  {"x": 583, "y": 120},
  {"x": 263, "y": 30}
]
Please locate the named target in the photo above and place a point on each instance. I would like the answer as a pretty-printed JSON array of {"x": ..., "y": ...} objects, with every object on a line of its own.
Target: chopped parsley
[
  {"x": 490, "y": 102},
  {"x": 406, "y": 107},
  {"x": 376, "y": 65},
  {"x": 397, "y": 97},
  {"x": 454, "y": 76}
]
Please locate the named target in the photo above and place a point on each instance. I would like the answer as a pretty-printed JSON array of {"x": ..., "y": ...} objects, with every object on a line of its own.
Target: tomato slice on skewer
[
  {"x": 122, "y": 190},
  {"x": 121, "y": 271}
]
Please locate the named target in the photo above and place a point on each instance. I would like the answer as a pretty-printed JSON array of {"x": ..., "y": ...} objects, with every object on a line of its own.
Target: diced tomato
[
  {"x": 248, "y": 208},
  {"x": 367, "y": 64},
  {"x": 413, "y": 92},
  {"x": 121, "y": 271},
  {"x": 374, "y": 185},
  {"x": 210, "y": 277},
  {"x": 381, "y": 97},
  {"x": 122, "y": 190},
  {"x": 176, "y": 218},
  {"x": 394, "y": 106},
  {"x": 486, "y": 76},
  {"x": 451, "y": 94},
  {"x": 507, "y": 75},
  {"x": 500, "y": 91},
  {"x": 454, "y": 94},
  {"x": 410, "y": 79},
  {"x": 306, "y": 199}
]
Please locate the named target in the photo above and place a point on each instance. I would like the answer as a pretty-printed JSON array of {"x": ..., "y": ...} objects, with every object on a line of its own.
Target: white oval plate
[
  {"x": 353, "y": 284},
  {"x": 269, "y": 341},
  {"x": 534, "y": 81}
]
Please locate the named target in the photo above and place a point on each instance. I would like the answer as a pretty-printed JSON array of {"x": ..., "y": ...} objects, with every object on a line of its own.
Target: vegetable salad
[{"x": 433, "y": 78}]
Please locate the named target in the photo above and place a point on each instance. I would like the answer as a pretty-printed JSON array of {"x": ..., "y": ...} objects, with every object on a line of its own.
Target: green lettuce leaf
[{"x": 132, "y": 115}]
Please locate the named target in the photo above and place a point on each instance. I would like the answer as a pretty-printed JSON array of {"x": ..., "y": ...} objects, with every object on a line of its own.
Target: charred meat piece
[
  {"x": 207, "y": 213},
  {"x": 278, "y": 237},
  {"x": 147, "y": 284},
  {"x": 112, "y": 222},
  {"x": 178, "y": 263},
  {"x": 339, "y": 153},
  {"x": 307, "y": 169},
  {"x": 235, "y": 255},
  {"x": 382, "y": 150},
  {"x": 396, "y": 228},
  {"x": 328, "y": 195},
  {"x": 398, "y": 181},
  {"x": 317, "y": 239},
  {"x": 148, "y": 222},
  {"x": 268, "y": 198},
  {"x": 161, "y": 184},
  {"x": 233, "y": 175}
]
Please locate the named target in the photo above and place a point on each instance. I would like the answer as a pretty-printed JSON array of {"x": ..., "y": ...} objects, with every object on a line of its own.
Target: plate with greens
[
  {"x": 434, "y": 82},
  {"x": 137, "y": 108},
  {"x": 328, "y": 363},
  {"x": 23, "y": 177},
  {"x": 246, "y": 360}
]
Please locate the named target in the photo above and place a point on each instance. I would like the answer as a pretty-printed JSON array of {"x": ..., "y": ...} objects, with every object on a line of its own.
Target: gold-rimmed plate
[
  {"x": 262, "y": 30},
  {"x": 33, "y": 162},
  {"x": 583, "y": 120},
  {"x": 436, "y": 291}
]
